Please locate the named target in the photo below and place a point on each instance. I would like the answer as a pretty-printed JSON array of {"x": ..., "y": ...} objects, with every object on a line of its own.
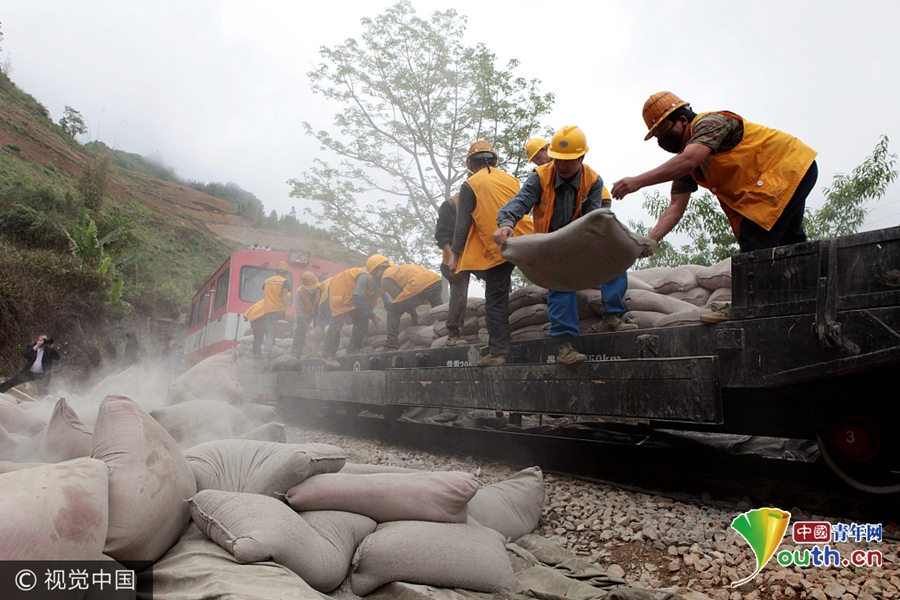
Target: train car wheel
[{"x": 858, "y": 451}]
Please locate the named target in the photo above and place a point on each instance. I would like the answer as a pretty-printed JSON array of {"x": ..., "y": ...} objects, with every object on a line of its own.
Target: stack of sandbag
[
  {"x": 418, "y": 337},
  {"x": 667, "y": 296},
  {"x": 528, "y": 317}
]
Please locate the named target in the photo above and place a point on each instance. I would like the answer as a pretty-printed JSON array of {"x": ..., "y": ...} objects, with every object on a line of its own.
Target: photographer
[{"x": 40, "y": 355}]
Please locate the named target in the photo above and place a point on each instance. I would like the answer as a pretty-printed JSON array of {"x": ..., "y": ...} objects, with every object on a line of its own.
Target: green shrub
[{"x": 14, "y": 147}]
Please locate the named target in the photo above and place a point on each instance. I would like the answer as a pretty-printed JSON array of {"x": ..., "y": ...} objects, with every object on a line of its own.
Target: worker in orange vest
[
  {"x": 276, "y": 301},
  {"x": 480, "y": 197},
  {"x": 536, "y": 150},
  {"x": 409, "y": 286},
  {"x": 760, "y": 176},
  {"x": 306, "y": 303}
]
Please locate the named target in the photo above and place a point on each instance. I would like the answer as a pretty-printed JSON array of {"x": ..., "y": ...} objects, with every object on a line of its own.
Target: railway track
[{"x": 636, "y": 462}]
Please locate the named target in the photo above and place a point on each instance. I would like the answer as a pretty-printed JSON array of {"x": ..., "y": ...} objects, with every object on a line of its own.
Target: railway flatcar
[{"x": 215, "y": 322}]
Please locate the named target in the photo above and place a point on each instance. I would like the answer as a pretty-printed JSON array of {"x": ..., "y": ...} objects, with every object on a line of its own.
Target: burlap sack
[
  {"x": 716, "y": 276},
  {"x": 585, "y": 253},
  {"x": 197, "y": 568},
  {"x": 530, "y": 294},
  {"x": 484, "y": 336},
  {"x": 366, "y": 469},
  {"x": 512, "y": 507},
  {"x": 649, "y": 275},
  {"x": 256, "y": 528},
  {"x": 214, "y": 378},
  {"x": 421, "y": 335},
  {"x": 474, "y": 306},
  {"x": 686, "y": 317},
  {"x": 439, "y": 313},
  {"x": 586, "y": 326},
  {"x": 149, "y": 481},
  {"x": 255, "y": 467},
  {"x": 440, "y": 328},
  {"x": 10, "y": 466},
  {"x": 439, "y": 342},
  {"x": 54, "y": 512},
  {"x": 651, "y": 301},
  {"x": 143, "y": 385},
  {"x": 259, "y": 414},
  {"x": 197, "y": 421},
  {"x": 635, "y": 283},
  {"x": 66, "y": 436},
  {"x": 16, "y": 420},
  {"x": 270, "y": 432},
  {"x": 470, "y": 326},
  {"x": 644, "y": 319},
  {"x": 531, "y": 332},
  {"x": 588, "y": 301},
  {"x": 450, "y": 555},
  {"x": 440, "y": 496},
  {"x": 698, "y": 296},
  {"x": 532, "y": 314},
  {"x": 723, "y": 294},
  {"x": 17, "y": 448},
  {"x": 679, "y": 279}
]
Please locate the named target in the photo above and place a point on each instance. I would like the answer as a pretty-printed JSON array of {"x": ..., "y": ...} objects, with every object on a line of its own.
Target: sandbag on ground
[
  {"x": 197, "y": 421},
  {"x": 17, "y": 448},
  {"x": 512, "y": 507},
  {"x": 255, "y": 467},
  {"x": 17, "y": 420},
  {"x": 452, "y": 555},
  {"x": 259, "y": 414},
  {"x": 213, "y": 378},
  {"x": 10, "y": 467},
  {"x": 270, "y": 432},
  {"x": 196, "y": 568},
  {"x": 439, "y": 496},
  {"x": 54, "y": 512},
  {"x": 366, "y": 469},
  {"x": 66, "y": 437},
  {"x": 586, "y": 253},
  {"x": 256, "y": 528},
  {"x": 149, "y": 481}
]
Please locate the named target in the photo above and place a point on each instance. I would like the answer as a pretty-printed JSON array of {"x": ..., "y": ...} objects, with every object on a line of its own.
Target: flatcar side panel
[{"x": 364, "y": 387}]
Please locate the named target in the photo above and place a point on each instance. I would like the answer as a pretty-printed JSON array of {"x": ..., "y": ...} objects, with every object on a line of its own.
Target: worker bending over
[
  {"x": 306, "y": 304},
  {"x": 559, "y": 192},
  {"x": 409, "y": 286}
]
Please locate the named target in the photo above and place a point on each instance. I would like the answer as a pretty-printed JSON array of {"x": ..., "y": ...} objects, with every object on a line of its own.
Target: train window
[
  {"x": 252, "y": 280},
  {"x": 201, "y": 309},
  {"x": 222, "y": 288}
]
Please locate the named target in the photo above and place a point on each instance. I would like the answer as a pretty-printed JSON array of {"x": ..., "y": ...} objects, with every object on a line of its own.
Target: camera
[{"x": 48, "y": 341}]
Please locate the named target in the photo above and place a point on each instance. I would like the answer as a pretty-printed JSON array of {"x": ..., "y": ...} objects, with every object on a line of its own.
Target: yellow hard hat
[
  {"x": 534, "y": 145},
  {"x": 309, "y": 279},
  {"x": 659, "y": 106},
  {"x": 481, "y": 146},
  {"x": 375, "y": 261},
  {"x": 282, "y": 266},
  {"x": 569, "y": 142}
]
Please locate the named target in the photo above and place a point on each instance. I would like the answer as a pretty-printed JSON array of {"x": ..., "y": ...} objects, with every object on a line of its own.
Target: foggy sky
[{"x": 218, "y": 90}]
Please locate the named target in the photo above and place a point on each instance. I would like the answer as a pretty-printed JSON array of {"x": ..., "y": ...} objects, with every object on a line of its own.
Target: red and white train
[{"x": 215, "y": 322}]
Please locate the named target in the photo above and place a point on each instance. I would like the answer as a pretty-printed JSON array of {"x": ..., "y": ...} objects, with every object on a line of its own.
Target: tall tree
[{"x": 414, "y": 99}]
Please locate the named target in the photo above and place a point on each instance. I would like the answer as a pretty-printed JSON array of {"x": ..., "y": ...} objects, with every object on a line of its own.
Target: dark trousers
[
  {"x": 496, "y": 306},
  {"x": 431, "y": 294},
  {"x": 41, "y": 381},
  {"x": 333, "y": 337},
  {"x": 300, "y": 336},
  {"x": 459, "y": 295},
  {"x": 258, "y": 327},
  {"x": 788, "y": 229}
]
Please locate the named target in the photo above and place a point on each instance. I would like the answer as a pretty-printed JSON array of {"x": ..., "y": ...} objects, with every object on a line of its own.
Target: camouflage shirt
[{"x": 720, "y": 133}]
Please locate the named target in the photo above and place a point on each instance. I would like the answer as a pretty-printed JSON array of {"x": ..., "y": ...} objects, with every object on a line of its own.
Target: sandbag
[
  {"x": 66, "y": 436},
  {"x": 635, "y": 283},
  {"x": 197, "y": 421},
  {"x": 439, "y": 313},
  {"x": 451, "y": 555},
  {"x": 17, "y": 448},
  {"x": 587, "y": 252},
  {"x": 687, "y": 317},
  {"x": 698, "y": 296},
  {"x": 11, "y": 466},
  {"x": 259, "y": 414},
  {"x": 440, "y": 328},
  {"x": 421, "y": 335},
  {"x": 641, "y": 300},
  {"x": 196, "y": 568},
  {"x": 531, "y": 332},
  {"x": 649, "y": 275},
  {"x": 716, "y": 276},
  {"x": 723, "y": 294},
  {"x": 255, "y": 467},
  {"x": 474, "y": 306},
  {"x": 470, "y": 326},
  {"x": 484, "y": 335},
  {"x": 587, "y": 302},
  {"x": 679, "y": 279},
  {"x": 16, "y": 420},
  {"x": 512, "y": 507},
  {"x": 255, "y": 528},
  {"x": 440, "y": 342},
  {"x": 367, "y": 469},
  {"x": 532, "y": 314},
  {"x": 149, "y": 481},
  {"x": 439, "y": 496},
  {"x": 644, "y": 319},
  {"x": 54, "y": 512},
  {"x": 530, "y": 294},
  {"x": 213, "y": 378},
  {"x": 144, "y": 384},
  {"x": 270, "y": 432}
]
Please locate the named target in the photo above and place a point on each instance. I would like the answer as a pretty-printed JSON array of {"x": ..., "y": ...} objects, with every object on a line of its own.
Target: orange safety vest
[
  {"x": 255, "y": 311},
  {"x": 543, "y": 210},
  {"x": 757, "y": 178},
  {"x": 341, "y": 291},
  {"x": 272, "y": 294},
  {"x": 409, "y": 279},
  {"x": 445, "y": 254},
  {"x": 493, "y": 188}
]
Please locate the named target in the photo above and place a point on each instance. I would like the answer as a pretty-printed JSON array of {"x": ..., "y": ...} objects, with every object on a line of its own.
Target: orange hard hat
[
  {"x": 568, "y": 143},
  {"x": 535, "y": 145},
  {"x": 309, "y": 280},
  {"x": 481, "y": 146},
  {"x": 659, "y": 106},
  {"x": 282, "y": 266}
]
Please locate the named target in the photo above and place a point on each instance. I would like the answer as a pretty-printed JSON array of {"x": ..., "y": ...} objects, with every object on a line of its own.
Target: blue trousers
[{"x": 562, "y": 307}]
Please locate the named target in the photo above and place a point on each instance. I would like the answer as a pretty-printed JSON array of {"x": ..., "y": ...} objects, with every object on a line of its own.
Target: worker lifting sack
[{"x": 585, "y": 253}]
